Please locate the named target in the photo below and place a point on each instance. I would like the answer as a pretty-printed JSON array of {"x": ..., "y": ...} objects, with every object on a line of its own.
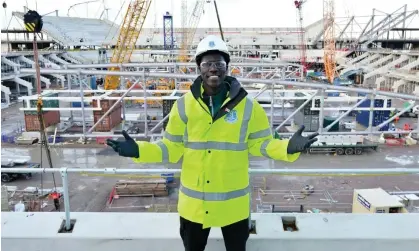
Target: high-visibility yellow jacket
[{"x": 214, "y": 189}]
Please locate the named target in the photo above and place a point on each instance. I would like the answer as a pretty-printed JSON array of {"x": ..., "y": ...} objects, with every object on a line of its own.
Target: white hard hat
[{"x": 212, "y": 43}]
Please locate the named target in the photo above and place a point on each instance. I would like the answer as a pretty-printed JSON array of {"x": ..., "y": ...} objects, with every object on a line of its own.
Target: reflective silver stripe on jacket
[
  {"x": 260, "y": 134},
  {"x": 164, "y": 151},
  {"x": 181, "y": 107},
  {"x": 173, "y": 138},
  {"x": 248, "y": 108},
  {"x": 216, "y": 146},
  {"x": 214, "y": 196},
  {"x": 263, "y": 148}
]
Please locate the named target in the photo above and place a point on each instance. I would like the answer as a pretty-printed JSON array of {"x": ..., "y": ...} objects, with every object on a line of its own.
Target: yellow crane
[
  {"x": 329, "y": 39},
  {"x": 128, "y": 36},
  {"x": 189, "y": 28}
]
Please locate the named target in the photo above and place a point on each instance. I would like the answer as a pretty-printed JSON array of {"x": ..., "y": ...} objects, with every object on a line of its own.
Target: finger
[
  {"x": 126, "y": 136},
  {"x": 116, "y": 148},
  {"x": 310, "y": 142},
  {"x": 312, "y": 136},
  {"x": 111, "y": 142},
  {"x": 301, "y": 129}
]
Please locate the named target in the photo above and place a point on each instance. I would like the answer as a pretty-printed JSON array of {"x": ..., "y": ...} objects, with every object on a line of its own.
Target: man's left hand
[{"x": 299, "y": 143}]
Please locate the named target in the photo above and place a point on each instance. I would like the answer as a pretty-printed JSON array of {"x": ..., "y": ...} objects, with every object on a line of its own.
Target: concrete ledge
[{"x": 160, "y": 231}]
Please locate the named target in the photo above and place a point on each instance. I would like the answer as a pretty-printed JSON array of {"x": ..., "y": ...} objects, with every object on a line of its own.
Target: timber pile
[{"x": 146, "y": 187}]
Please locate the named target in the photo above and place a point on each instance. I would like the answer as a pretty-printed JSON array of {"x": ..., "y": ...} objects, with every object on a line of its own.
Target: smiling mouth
[{"x": 213, "y": 77}]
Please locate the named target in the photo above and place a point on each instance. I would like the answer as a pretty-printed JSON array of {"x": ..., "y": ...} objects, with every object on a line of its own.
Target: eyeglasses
[{"x": 217, "y": 65}]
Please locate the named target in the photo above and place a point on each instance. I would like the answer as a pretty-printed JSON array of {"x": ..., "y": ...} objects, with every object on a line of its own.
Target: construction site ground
[{"x": 91, "y": 193}]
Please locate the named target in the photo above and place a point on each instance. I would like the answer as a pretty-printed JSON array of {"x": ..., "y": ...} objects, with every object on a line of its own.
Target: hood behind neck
[{"x": 231, "y": 84}]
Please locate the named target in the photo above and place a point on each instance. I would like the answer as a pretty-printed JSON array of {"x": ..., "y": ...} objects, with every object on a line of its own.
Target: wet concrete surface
[{"x": 90, "y": 193}]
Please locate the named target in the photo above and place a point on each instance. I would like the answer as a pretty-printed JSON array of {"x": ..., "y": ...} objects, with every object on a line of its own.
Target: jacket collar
[{"x": 233, "y": 87}]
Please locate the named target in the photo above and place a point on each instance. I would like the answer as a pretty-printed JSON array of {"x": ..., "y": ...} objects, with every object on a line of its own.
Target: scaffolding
[{"x": 310, "y": 90}]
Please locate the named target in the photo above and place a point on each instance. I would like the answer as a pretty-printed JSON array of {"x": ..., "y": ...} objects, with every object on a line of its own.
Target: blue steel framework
[{"x": 168, "y": 31}]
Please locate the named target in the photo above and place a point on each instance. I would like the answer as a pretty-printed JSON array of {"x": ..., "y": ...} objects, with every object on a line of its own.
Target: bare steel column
[
  {"x": 321, "y": 115},
  {"x": 82, "y": 107}
]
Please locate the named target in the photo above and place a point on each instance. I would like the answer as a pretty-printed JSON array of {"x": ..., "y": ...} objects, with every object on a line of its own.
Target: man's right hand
[{"x": 127, "y": 148}]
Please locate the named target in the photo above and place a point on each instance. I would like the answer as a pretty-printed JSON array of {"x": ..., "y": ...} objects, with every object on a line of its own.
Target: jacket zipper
[
  {"x": 212, "y": 107},
  {"x": 206, "y": 110}
]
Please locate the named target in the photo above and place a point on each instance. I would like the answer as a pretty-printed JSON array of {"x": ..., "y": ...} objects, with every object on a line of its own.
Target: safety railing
[{"x": 175, "y": 172}]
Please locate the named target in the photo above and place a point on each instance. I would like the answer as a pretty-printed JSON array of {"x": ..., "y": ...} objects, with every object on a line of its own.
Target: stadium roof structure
[{"x": 75, "y": 31}]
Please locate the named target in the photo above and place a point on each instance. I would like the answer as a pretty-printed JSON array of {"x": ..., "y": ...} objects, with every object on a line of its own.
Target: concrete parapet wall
[{"x": 160, "y": 231}]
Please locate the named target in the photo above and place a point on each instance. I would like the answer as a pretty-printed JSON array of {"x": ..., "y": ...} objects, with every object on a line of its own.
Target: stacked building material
[
  {"x": 112, "y": 119},
  {"x": 50, "y": 117},
  {"x": 146, "y": 187}
]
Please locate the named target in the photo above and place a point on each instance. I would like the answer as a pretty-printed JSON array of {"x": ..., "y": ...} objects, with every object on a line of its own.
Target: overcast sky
[{"x": 233, "y": 13}]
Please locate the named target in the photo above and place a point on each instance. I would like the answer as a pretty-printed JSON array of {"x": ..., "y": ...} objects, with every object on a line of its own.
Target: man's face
[{"x": 213, "y": 69}]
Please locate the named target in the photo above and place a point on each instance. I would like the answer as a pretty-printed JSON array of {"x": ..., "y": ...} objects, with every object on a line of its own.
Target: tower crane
[
  {"x": 301, "y": 35},
  {"x": 128, "y": 36},
  {"x": 329, "y": 39}
]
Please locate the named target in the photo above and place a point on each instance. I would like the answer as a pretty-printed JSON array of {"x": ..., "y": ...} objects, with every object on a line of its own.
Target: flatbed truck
[{"x": 342, "y": 145}]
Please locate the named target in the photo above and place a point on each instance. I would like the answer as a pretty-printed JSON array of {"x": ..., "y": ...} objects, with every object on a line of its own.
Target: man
[{"x": 214, "y": 127}]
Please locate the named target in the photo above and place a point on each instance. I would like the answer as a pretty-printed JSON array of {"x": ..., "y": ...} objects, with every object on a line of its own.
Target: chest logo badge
[{"x": 231, "y": 117}]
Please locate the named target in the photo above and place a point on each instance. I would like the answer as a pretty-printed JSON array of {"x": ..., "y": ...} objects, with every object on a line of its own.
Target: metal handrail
[{"x": 310, "y": 172}]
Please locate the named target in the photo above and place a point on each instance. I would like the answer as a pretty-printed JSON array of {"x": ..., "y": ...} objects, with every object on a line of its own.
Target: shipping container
[
  {"x": 110, "y": 121},
  {"x": 47, "y": 103},
  {"x": 106, "y": 104},
  {"x": 32, "y": 121},
  {"x": 378, "y": 116},
  {"x": 363, "y": 119},
  {"x": 311, "y": 122}
]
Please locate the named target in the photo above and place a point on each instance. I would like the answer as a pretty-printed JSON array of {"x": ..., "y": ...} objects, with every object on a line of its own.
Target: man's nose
[{"x": 213, "y": 68}]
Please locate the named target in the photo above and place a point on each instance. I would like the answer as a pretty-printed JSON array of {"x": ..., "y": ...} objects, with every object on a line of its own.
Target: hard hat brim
[{"x": 198, "y": 57}]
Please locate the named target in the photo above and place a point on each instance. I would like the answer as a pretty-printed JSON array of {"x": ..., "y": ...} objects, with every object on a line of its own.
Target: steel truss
[
  {"x": 266, "y": 70},
  {"x": 271, "y": 84},
  {"x": 378, "y": 26}
]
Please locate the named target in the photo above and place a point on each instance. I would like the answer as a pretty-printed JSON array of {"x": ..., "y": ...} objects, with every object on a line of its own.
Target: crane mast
[
  {"x": 184, "y": 30},
  {"x": 128, "y": 36},
  {"x": 301, "y": 34},
  {"x": 329, "y": 39},
  {"x": 194, "y": 20},
  {"x": 189, "y": 27}
]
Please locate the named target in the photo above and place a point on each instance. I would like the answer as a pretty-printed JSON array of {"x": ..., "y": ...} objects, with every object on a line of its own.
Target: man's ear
[{"x": 199, "y": 69}]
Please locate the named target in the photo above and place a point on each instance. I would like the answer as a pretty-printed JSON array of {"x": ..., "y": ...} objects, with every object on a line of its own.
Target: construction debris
[{"x": 307, "y": 190}]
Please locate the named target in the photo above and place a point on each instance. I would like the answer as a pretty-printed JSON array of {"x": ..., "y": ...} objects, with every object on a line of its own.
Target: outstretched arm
[
  {"x": 167, "y": 150},
  {"x": 170, "y": 148},
  {"x": 261, "y": 141}
]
